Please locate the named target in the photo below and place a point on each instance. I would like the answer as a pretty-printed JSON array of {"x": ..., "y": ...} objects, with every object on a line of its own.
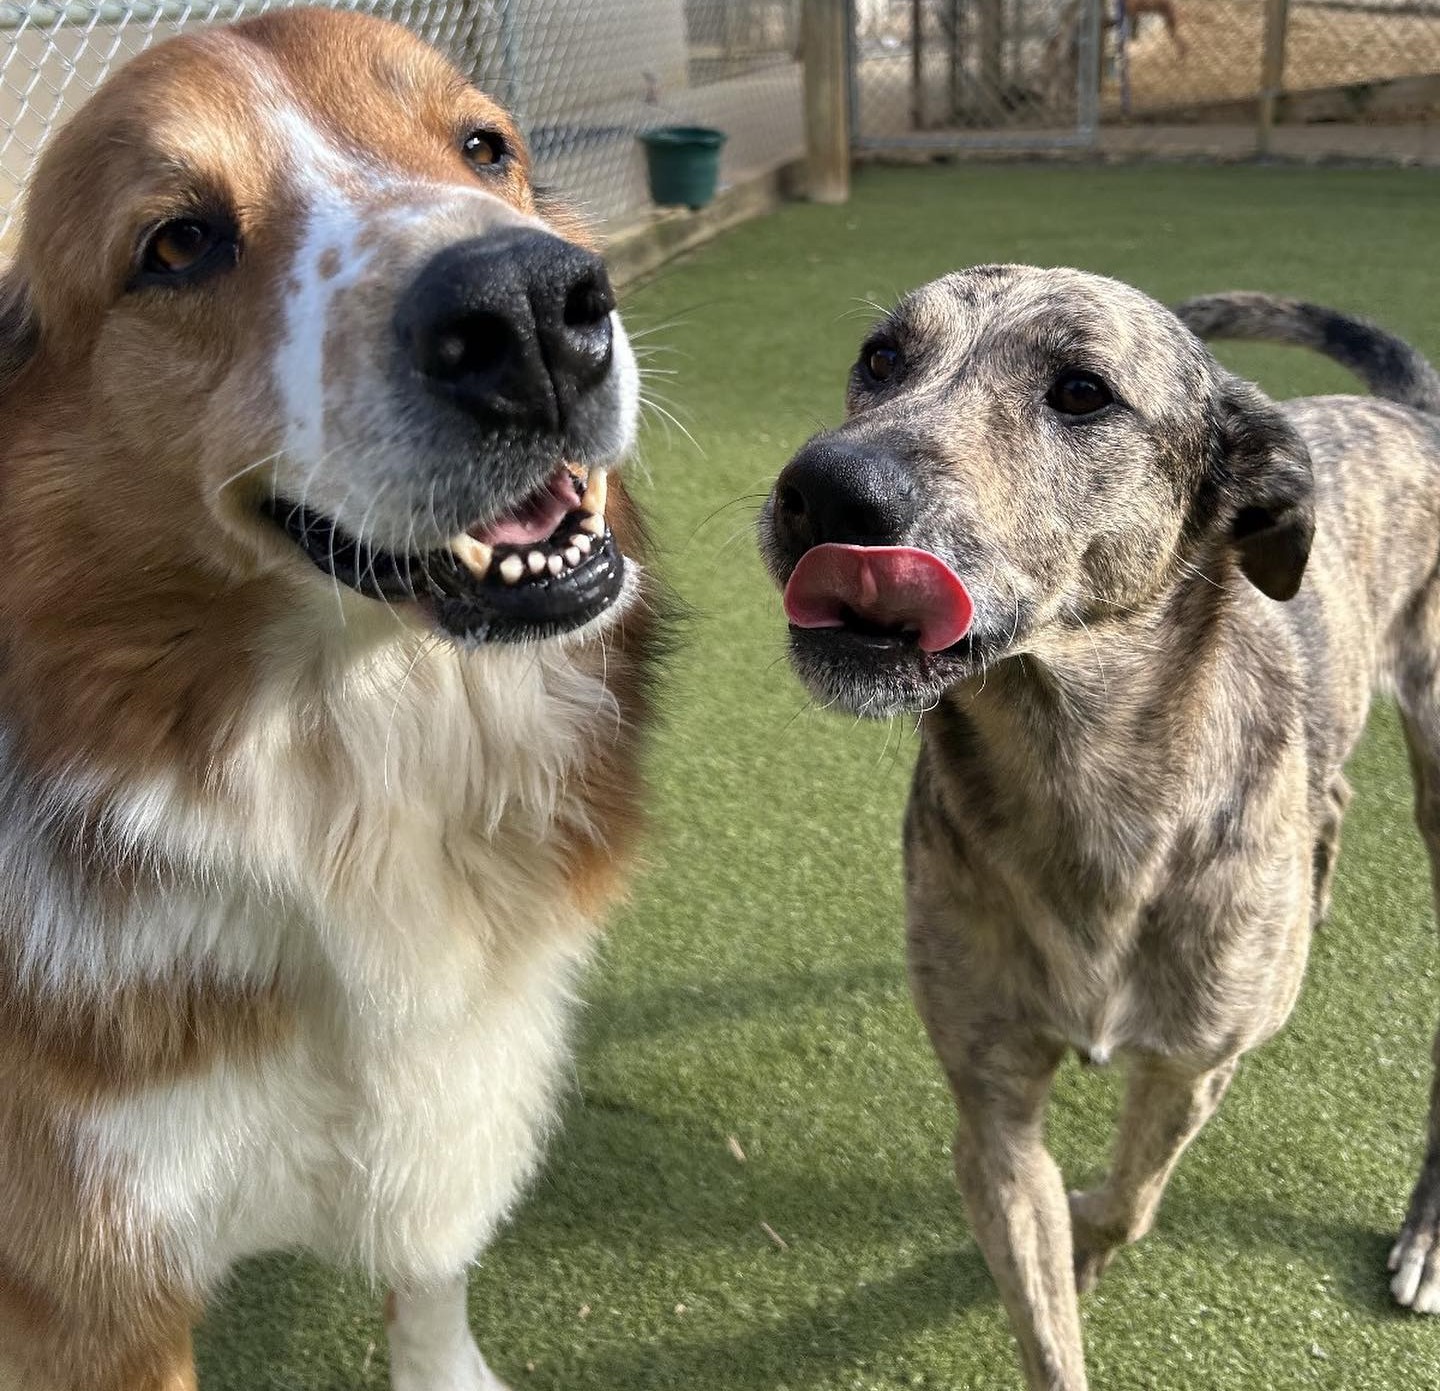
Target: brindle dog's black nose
[
  {"x": 512, "y": 327},
  {"x": 833, "y": 490}
]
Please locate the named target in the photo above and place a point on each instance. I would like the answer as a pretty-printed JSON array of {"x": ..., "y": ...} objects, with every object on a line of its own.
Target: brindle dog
[{"x": 1142, "y": 609}]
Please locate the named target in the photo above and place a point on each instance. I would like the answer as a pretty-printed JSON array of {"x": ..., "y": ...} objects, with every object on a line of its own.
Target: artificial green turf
[{"x": 755, "y": 987}]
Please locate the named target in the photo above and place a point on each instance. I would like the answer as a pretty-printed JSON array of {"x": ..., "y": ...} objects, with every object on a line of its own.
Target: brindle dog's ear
[
  {"x": 19, "y": 326},
  {"x": 1268, "y": 489}
]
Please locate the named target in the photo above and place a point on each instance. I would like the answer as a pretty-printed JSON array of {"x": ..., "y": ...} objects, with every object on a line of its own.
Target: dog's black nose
[
  {"x": 512, "y": 327},
  {"x": 833, "y": 490}
]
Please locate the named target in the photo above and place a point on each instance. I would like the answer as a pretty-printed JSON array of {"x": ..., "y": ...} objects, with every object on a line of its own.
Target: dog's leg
[
  {"x": 1327, "y": 846},
  {"x": 431, "y": 1348},
  {"x": 1165, "y": 1107},
  {"x": 1016, "y": 1201},
  {"x": 1415, "y": 1257}
]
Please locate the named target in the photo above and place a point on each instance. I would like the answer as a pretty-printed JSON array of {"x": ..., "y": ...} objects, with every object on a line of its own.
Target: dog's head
[
  {"x": 297, "y": 273},
  {"x": 1026, "y": 452}
]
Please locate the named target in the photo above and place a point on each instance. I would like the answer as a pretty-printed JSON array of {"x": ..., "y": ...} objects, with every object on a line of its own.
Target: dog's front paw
[
  {"x": 459, "y": 1378},
  {"x": 1095, "y": 1241},
  {"x": 1415, "y": 1257},
  {"x": 1090, "y": 1264},
  {"x": 462, "y": 1374}
]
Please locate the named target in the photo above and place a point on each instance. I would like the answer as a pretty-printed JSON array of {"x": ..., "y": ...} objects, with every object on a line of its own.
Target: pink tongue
[
  {"x": 536, "y": 519},
  {"x": 894, "y": 586}
]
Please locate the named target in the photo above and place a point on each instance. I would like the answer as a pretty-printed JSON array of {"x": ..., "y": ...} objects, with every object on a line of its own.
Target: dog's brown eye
[
  {"x": 179, "y": 246},
  {"x": 484, "y": 147},
  {"x": 1075, "y": 392},
  {"x": 880, "y": 362}
]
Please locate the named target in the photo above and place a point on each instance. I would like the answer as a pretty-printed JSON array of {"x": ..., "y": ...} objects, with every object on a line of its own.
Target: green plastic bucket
[{"x": 684, "y": 164}]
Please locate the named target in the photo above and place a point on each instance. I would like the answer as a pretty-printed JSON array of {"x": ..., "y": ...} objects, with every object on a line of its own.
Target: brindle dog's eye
[
  {"x": 1076, "y": 392},
  {"x": 179, "y": 246},
  {"x": 484, "y": 148},
  {"x": 880, "y": 360}
]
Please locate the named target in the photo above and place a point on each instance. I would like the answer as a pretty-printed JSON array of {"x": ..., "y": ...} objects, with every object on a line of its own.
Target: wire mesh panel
[
  {"x": 1332, "y": 43},
  {"x": 1187, "y": 59},
  {"x": 973, "y": 72},
  {"x": 584, "y": 77}
]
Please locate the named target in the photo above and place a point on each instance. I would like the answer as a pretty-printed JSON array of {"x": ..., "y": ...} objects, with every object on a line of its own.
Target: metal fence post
[
  {"x": 1089, "y": 57},
  {"x": 824, "y": 24},
  {"x": 917, "y": 65},
  {"x": 991, "y": 42},
  {"x": 1272, "y": 70},
  {"x": 510, "y": 64}
]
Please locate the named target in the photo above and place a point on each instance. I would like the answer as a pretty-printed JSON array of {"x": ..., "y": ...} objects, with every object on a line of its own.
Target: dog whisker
[
  {"x": 269, "y": 459},
  {"x": 422, "y": 648},
  {"x": 667, "y": 416}
]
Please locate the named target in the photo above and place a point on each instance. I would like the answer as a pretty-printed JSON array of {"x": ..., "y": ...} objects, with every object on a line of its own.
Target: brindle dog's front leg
[
  {"x": 1166, "y": 1104},
  {"x": 1017, "y": 1204},
  {"x": 1000, "y": 1070},
  {"x": 1016, "y": 1199}
]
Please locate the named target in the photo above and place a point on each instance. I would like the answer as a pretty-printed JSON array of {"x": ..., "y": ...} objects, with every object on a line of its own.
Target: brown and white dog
[{"x": 325, "y": 661}]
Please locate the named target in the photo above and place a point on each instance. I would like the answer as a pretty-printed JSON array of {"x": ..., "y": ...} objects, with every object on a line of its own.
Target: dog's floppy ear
[
  {"x": 19, "y": 325},
  {"x": 1267, "y": 488}
]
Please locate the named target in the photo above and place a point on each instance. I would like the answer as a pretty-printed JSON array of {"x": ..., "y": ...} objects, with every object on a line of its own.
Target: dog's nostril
[
  {"x": 589, "y": 302},
  {"x": 791, "y": 502}
]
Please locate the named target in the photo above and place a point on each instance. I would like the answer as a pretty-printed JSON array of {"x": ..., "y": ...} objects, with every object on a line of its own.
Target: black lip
[
  {"x": 467, "y": 608},
  {"x": 882, "y": 644},
  {"x": 881, "y": 673}
]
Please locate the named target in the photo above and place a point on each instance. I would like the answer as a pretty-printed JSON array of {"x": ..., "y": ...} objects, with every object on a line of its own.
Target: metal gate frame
[{"x": 1087, "y": 94}]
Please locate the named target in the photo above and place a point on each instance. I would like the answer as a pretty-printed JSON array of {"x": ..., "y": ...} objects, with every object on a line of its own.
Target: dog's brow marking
[{"x": 309, "y": 150}]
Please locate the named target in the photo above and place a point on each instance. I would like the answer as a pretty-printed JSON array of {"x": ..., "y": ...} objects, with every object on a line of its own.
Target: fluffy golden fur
[{"x": 292, "y": 885}]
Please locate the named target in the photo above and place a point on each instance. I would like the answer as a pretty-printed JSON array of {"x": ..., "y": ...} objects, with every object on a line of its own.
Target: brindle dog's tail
[{"x": 1388, "y": 365}]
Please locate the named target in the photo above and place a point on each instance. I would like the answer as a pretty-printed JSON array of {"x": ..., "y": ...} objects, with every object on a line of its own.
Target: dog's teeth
[
  {"x": 511, "y": 568},
  {"x": 594, "y": 524},
  {"x": 536, "y": 561},
  {"x": 555, "y": 564},
  {"x": 581, "y": 543},
  {"x": 571, "y": 554},
  {"x": 594, "y": 500},
  {"x": 474, "y": 555}
]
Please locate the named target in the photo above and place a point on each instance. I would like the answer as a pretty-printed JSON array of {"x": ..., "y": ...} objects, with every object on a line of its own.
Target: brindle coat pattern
[{"x": 1128, "y": 794}]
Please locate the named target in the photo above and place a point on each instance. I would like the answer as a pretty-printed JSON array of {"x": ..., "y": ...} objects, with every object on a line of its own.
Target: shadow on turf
[
  {"x": 644, "y": 1013},
  {"x": 254, "y": 1336},
  {"x": 811, "y": 1344},
  {"x": 267, "y": 1303},
  {"x": 288, "y": 1323},
  {"x": 1351, "y": 1254}
]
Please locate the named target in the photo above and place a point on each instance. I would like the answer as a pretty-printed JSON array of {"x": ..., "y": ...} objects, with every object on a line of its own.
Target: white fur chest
[
  {"x": 395, "y": 864},
  {"x": 390, "y": 1140}
]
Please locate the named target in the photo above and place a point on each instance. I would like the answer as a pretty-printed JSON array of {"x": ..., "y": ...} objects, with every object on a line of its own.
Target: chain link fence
[
  {"x": 983, "y": 71},
  {"x": 1054, "y": 72},
  {"x": 584, "y": 77},
  {"x": 1213, "y": 63}
]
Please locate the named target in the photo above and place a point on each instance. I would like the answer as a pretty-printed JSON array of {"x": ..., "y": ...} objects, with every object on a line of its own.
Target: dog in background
[
  {"x": 1136, "y": 10},
  {"x": 1142, "y": 609},
  {"x": 327, "y": 643}
]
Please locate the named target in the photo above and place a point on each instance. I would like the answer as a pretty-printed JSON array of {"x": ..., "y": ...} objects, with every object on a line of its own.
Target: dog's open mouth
[
  {"x": 881, "y": 595},
  {"x": 547, "y": 566}
]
